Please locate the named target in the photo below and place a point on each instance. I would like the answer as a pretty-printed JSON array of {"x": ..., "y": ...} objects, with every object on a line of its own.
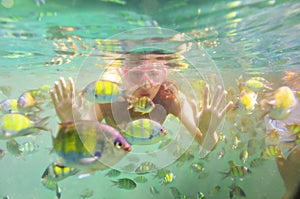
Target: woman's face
[{"x": 144, "y": 80}]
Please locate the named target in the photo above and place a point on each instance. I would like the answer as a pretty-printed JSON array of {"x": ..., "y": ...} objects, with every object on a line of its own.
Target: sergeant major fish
[
  {"x": 142, "y": 104},
  {"x": 125, "y": 183},
  {"x": 56, "y": 172},
  {"x": 89, "y": 145},
  {"x": 236, "y": 171},
  {"x": 15, "y": 125},
  {"x": 144, "y": 132},
  {"x": 103, "y": 91},
  {"x": 280, "y": 104}
]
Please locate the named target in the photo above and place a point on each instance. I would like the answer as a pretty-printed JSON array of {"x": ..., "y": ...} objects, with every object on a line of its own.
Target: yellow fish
[
  {"x": 56, "y": 172},
  {"x": 281, "y": 104},
  {"x": 15, "y": 125},
  {"x": 103, "y": 91},
  {"x": 236, "y": 170},
  {"x": 9, "y": 106},
  {"x": 31, "y": 98},
  {"x": 168, "y": 178},
  {"x": 248, "y": 99},
  {"x": 125, "y": 183},
  {"x": 142, "y": 104},
  {"x": 89, "y": 145},
  {"x": 144, "y": 132},
  {"x": 270, "y": 152}
]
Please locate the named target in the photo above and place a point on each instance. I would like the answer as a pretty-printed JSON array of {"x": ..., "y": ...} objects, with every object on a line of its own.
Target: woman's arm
[{"x": 203, "y": 124}]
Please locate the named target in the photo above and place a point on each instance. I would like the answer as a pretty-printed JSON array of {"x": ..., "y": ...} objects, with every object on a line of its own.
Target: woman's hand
[
  {"x": 211, "y": 115},
  {"x": 63, "y": 98}
]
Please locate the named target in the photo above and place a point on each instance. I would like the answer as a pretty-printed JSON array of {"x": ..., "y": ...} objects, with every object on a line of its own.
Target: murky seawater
[{"x": 222, "y": 41}]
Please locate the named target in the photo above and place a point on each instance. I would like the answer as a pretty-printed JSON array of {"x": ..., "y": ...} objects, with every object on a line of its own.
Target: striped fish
[
  {"x": 9, "y": 106},
  {"x": 56, "y": 172},
  {"x": 15, "y": 125},
  {"x": 82, "y": 143},
  {"x": 103, "y": 91},
  {"x": 236, "y": 171},
  {"x": 142, "y": 104},
  {"x": 30, "y": 99},
  {"x": 144, "y": 132},
  {"x": 271, "y": 151},
  {"x": 125, "y": 183}
]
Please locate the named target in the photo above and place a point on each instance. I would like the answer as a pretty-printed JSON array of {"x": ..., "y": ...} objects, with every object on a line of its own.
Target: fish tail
[
  {"x": 42, "y": 123},
  {"x": 225, "y": 174}
]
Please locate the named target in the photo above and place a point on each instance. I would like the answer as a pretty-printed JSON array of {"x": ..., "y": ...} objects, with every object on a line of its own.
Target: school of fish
[{"x": 83, "y": 147}]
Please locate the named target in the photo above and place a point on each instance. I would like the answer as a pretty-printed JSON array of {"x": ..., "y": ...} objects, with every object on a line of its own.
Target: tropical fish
[
  {"x": 13, "y": 147},
  {"x": 257, "y": 84},
  {"x": 280, "y": 105},
  {"x": 161, "y": 173},
  {"x": 30, "y": 99},
  {"x": 145, "y": 167},
  {"x": 168, "y": 178},
  {"x": 9, "y": 106},
  {"x": 113, "y": 173},
  {"x": 236, "y": 191},
  {"x": 53, "y": 186},
  {"x": 103, "y": 91},
  {"x": 221, "y": 153},
  {"x": 200, "y": 195},
  {"x": 29, "y": 147},
  {"x": 244, "y": 156},
  {"x": 237, "y": 171},
  {"x": 140, "y": 179},
  {"x": 86, "y": 193},
  {"x": 56, "y": 172},
  {"x": 256, "y": 162},
  {"x": 144, "y": 132},
  {"x": 15, "y": 125},
  {"x": 271, "y": 151},
  {"x": 153, "y": 190},
  {"x": 248, "y": 99},
  {"x": 294, "y": 128},
  {"x": 141, "y": 104},
  {"x": 197, "y": 167},
  {"x": 216, "y": 189},
  {"x": 125, "y": 183},
  {"x": 89, "y": 145},
  {"x": 175, "y": 192}
]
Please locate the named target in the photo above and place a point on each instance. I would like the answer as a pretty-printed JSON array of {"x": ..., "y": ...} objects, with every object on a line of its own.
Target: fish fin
[
  {"x": 40, "y": 124},
  {"x": 89, "y": 160},
  {"x": 225, "y": 174},
  {"x": 84, "y": 175}
]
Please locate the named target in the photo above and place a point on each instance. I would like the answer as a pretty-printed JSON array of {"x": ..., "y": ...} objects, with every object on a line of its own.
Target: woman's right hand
[{"x": 63, "y": 98}]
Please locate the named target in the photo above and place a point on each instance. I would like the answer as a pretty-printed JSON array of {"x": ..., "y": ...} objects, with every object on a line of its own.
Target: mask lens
[{"x": 137, "y": 76}]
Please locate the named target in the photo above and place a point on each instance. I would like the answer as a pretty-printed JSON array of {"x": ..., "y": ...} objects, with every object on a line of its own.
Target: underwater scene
[{"x": 173, "y": 99}]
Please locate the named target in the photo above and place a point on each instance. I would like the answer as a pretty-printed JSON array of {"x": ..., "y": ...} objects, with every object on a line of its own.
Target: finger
[
  {"x": 229, "y": 105},
  {"x": 221, "y": 100},
  {"x": 72, "y": 88},
  {"x": 216, "y": 97},
  {"x": 52, "y": 95},
  {"x": 205, "y": 97},
  {"x": 64, "y": 89},
  {"x": 57, "y": 91},
  {"x": 80, "y": 99}
]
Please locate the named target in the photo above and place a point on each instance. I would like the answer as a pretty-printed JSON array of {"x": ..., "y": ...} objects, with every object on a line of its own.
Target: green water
[{"x": 38, "y": 44}]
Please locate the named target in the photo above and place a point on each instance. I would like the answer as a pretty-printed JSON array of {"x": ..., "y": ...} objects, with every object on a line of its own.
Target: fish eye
[{"x": 118, "y": 144}]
